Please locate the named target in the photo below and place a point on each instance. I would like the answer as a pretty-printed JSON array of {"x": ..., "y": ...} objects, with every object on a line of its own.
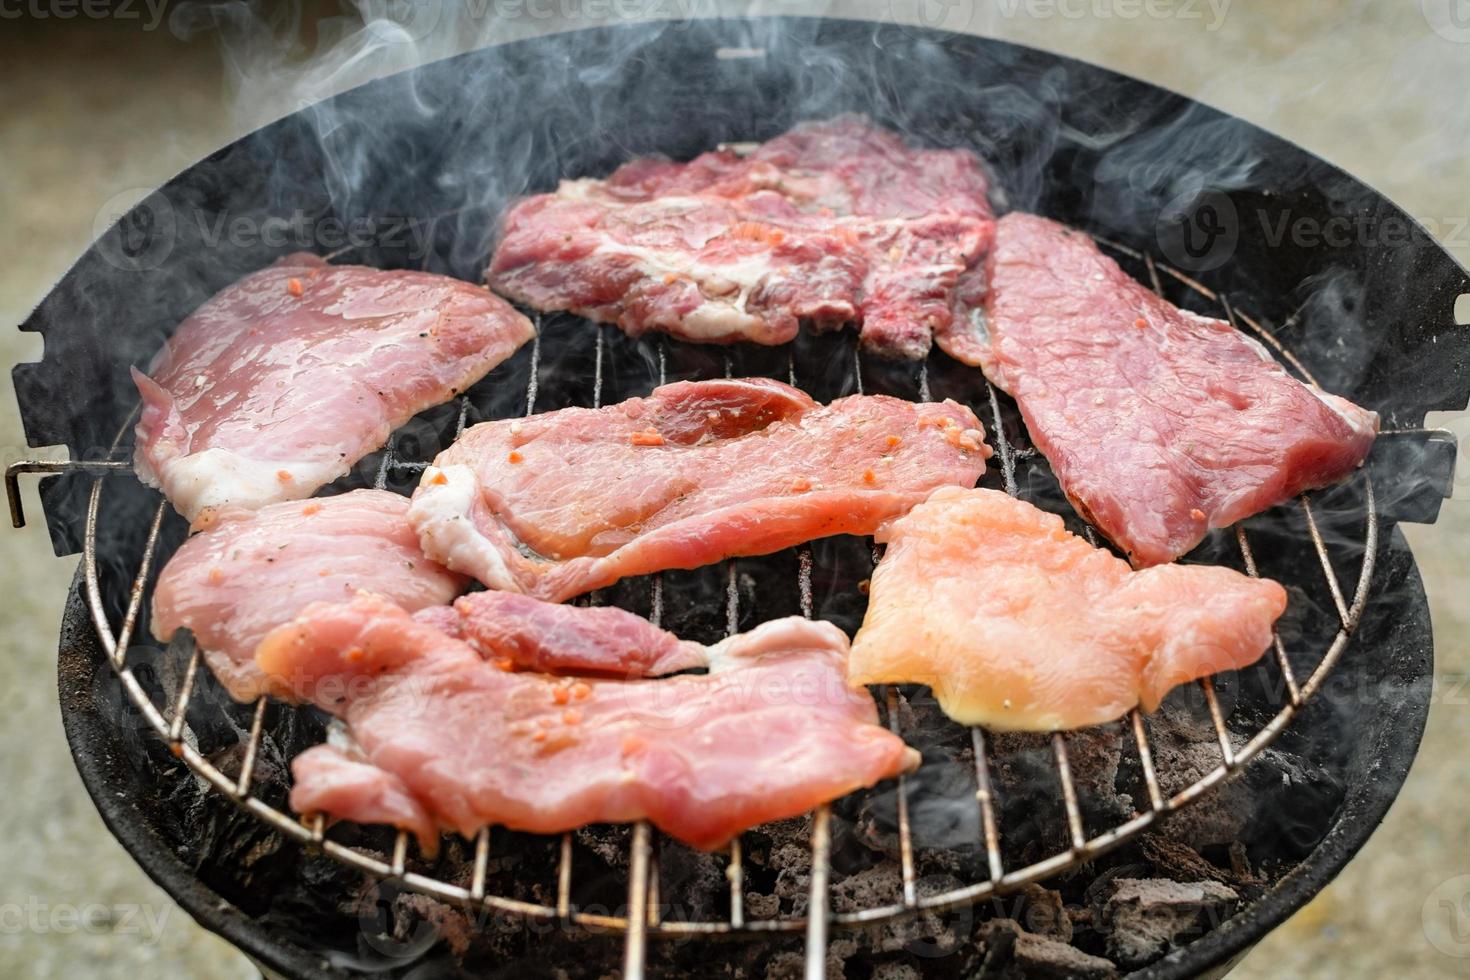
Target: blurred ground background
[{"x": 97, "y": 107}]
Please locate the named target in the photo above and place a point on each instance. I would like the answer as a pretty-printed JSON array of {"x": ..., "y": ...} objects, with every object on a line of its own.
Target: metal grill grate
[{"x": 644, "y": 918}]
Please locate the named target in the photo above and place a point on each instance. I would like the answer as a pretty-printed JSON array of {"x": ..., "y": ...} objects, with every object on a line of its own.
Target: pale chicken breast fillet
[
  {"x": 1017, "y": 624},
  {"x": 770, "y": 732},
  {"x": 282, "y": 381},
  {"x": 248, "y": 572},
  {"x": 569, "y": 501}
]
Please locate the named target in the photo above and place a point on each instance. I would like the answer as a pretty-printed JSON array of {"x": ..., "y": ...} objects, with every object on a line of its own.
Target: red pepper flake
[
  {"x": 869, "y": 476},
  {"x": 504, "y": 663},
  {"x": 324, "y": 572},
  {"x": 801, "y": 485},
  {"x": 293, "y": 286},
  {"x": 1197, "y": 514},
  {"x": 893, "y": 442},
  {"x": 283, "y": 475},
  {"x": 581, "y": 691},
  {"x": 216, "y": 576},
  {"x": 649, "y": 437},
  {"x": 311, "y": 509},
  {"x": 515, "y": 457},
  {"x": 353, "y": 655},
  {"x": 438, "y": 479},
  {"x": 571, "y": 716},
  {"x": 539, "y": 736},
  {"x": 1140, "y": 323},
  {"x": 864, "y": 585},
  {"x": 560, "y": 695}
]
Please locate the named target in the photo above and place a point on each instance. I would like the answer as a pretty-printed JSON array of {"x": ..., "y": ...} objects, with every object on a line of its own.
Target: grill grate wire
[{"x": 643, "y": 916}]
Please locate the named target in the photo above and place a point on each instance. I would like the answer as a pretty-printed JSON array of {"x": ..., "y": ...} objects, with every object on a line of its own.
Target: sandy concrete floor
[{"x": 95, "y": 109}]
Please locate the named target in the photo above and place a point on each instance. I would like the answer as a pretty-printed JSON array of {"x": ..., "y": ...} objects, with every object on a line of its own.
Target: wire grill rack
[{"x": 644, "y": 919}]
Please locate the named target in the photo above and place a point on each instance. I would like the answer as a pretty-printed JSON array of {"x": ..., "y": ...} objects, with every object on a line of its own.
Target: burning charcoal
[
  {"x": 1043, "y": 912},
  {"x": 758, "y": 906},
  {"x": 871, "y": 887},
  {"x": 1012, "y": 953},
  {"x": 454, "y": 926},
  {"x": 791, "y": 965},
  {"x": 693, "y": 882},
  {"x": 1186, "y": 749},
  {"x": 896, "y": 971},
  {"x": 1146, "y": 917},
  {"x": 1024, "y": 767},
  {"x": 1184, "y": 863},
  {"x": 928, "y": 934},
  {"x": 608, "y": 842}
]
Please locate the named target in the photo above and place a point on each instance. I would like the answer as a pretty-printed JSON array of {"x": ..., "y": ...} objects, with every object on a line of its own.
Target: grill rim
[
  {"x": 1390, "y": 538},
  {"x": 95, "y": 751}
]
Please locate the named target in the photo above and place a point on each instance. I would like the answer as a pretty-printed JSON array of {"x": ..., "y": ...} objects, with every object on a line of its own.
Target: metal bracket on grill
[
  {"x": 1414, "y": 473},
  {"x": 50, "y": 467}
]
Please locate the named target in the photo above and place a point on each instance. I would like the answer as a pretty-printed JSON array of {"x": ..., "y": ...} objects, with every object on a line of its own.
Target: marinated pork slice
[
  {"x": 561, "y": 503},
  {"x": 770, "y": 732},
  {"x": 1159, "y": 423},
  {"x": 250, "y": 571},
  {"x": 831, "y": 223},
  {"x": 1019, "y": 625},
  {"x": 513, "y": 629},
  {"x": 284, "y": 380}
]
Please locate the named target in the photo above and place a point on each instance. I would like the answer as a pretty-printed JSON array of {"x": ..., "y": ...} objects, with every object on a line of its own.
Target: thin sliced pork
[
  {"x": 770, "y": 732},
  {"x": 1159, "y": 423},
  {"x": 250, "y": 571},
  {"x": 512, "y": 629},
  {"x": 832, "y": 222},
  {"x": 282, "y": 381},
  {"x": 1018, "y": 624},
  {"x": 561, "y": 503}
]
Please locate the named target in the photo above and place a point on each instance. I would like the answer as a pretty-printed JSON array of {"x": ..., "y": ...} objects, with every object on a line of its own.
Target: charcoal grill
[{"x": 163, "y": 752}]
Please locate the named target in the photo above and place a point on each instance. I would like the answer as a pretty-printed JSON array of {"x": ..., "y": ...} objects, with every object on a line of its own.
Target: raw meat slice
[
  {"x": 832, "y": 222},
  {"x": 552, "y": 638},
  {"x": 1018, "y": 624},
  {"x": 250, "y": 571},
  {"x": 772, "y": 731},
  {"x": 331, "y": 779},
  {"x": 1159, "y": 423},
  {"x": 561, "y": 503},
  {"x": 282, "y": 381}
]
